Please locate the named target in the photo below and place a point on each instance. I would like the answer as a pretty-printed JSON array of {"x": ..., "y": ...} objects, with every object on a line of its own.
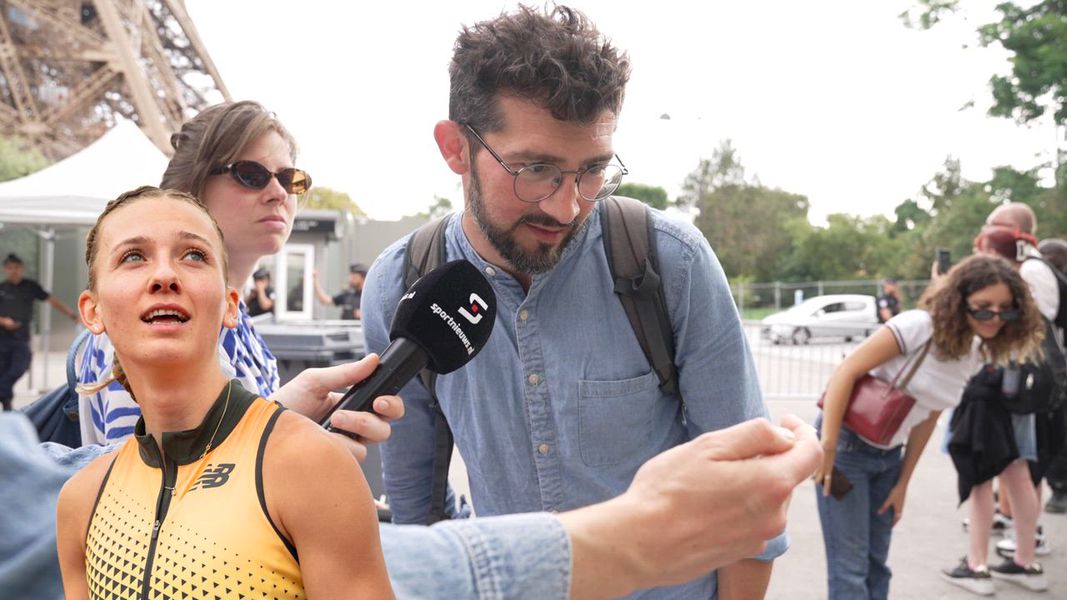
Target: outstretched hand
[
  {"x": 694, "y": 508},
  {"x": 311, "y": 394}
]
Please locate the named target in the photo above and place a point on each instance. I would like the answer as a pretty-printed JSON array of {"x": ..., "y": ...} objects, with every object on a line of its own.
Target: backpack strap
[
  {"x": 1060, "y": 319},
  {"x": 426, "y": 252},
  {"x": 629, "y": 242}
]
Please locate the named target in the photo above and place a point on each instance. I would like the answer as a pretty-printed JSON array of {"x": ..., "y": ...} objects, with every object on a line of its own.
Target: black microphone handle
[{"x": 401, "y": 361}]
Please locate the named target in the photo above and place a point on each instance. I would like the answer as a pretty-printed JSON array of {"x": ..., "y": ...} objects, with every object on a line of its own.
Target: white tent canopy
[{"x": 75, "y": 190}]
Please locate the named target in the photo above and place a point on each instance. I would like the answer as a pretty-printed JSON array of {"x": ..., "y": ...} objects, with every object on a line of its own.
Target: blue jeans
[{"x": 855, "y": 535}]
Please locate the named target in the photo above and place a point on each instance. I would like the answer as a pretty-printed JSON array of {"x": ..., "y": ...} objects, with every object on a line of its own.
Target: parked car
[{"x": 835, "y": 315}]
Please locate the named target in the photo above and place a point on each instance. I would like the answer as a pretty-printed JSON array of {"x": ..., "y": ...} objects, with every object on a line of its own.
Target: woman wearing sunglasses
[
  {"x": 211, "y": 496},
  {"x": 979, "y": 312},
  {"x": 238, "y": 159}
]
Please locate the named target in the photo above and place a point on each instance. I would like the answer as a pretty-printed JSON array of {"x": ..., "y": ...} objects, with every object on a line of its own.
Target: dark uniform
[
  {"x": 16, "y": 301},
  {"x": 349, "y": 300},
  {"x": 889, "y": 301},
  {"x": 254, "y": 309}
]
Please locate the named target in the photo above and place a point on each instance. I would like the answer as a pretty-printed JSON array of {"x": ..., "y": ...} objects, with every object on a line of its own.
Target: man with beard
[{"x": 561, "y": 407}]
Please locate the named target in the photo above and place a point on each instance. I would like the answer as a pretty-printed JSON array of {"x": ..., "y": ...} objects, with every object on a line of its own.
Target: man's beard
[{"x": 541, "y": 260}]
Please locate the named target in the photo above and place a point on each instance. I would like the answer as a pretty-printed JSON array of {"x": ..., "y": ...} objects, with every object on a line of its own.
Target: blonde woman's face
[
  {"x": 255, "y": 223},
  {"x": 161, "y": 293},
  {"x": 996, "y": 298}
]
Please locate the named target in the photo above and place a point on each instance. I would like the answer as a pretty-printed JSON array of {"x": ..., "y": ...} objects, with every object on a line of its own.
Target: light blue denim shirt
[
  {"x": 506, "y": 558},
  {"x": 561, "y": 407}
]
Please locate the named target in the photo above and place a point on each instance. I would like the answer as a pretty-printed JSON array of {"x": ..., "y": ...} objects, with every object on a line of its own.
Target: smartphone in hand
[
  {"x": 944, "y": 260},
  {"x": 840, "y": 486}
]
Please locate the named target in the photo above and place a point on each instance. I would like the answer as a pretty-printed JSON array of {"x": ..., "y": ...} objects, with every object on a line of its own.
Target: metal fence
[
  {"x": 779, "y": 295},
  {"x": 796, "y": 371},
  {"x": 801, "y": 370}
]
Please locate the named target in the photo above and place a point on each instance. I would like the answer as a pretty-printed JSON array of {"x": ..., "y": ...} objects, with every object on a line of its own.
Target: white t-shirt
[
  {"x": 1045, "y": 290},
  {"x": 938, "y": 384}
]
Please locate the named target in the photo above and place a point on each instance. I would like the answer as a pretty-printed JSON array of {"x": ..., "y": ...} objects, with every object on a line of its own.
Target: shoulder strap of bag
[
  {"x": 426, "y": 252},
  {"x": 72, "y": 357},
  {"x": 70, "y": 407},
  {"x": 1060, "y": 319},
  {"x": 629, "y": 242},
  {"x": 916, "y": 361}
]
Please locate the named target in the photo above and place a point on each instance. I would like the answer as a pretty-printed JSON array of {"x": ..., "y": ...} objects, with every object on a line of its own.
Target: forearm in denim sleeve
[
  {"x": 29, "y": 487},
  {"x": 494, "y": 558}
]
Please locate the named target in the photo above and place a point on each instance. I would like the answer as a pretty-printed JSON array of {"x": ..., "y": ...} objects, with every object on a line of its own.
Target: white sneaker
[{"x": 1006, "y": 546}]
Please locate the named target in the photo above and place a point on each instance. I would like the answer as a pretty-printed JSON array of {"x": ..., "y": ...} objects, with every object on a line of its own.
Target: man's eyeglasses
[
  {"x": 986, "y": 314},
  {"x": 535, "y": 182},
  {"x": 253, "y": 175}
]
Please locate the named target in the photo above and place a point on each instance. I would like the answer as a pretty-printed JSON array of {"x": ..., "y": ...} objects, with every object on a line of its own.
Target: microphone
[{"x": 442, "y": 322}]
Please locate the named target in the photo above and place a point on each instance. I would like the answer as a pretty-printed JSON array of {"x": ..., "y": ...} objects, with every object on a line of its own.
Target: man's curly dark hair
[
  {"x": 554, "y": 57},
  {"x": 946, "y": 301}
]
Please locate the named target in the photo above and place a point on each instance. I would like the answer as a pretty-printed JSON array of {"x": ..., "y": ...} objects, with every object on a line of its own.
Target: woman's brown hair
[
  {"x": 215, "y": 138},
  {"x": 946, "y": 301}
]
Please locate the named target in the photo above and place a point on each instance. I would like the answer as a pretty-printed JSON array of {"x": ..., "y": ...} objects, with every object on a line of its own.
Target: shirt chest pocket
[{"x": 615, "y": 418}]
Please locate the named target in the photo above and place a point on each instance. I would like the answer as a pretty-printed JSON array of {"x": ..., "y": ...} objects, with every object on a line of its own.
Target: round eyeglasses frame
[{"x": 610, "y": 183}]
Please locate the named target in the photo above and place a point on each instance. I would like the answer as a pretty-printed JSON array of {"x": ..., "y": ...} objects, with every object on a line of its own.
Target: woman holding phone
[{"x": 979, "y": 312}]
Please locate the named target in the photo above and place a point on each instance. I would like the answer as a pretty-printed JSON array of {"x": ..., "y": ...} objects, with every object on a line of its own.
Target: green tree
[
  {"x": 849, "y": 247},
  {"x": 326, "y": 198},
  {"x": 722, "y": 169},
  {"x": 654, "y": 196},
  {"x": 18, "y": 159},
  {"x": 441, "y": 206},
  {"x": 751, "y": 227},
  {"x": 1035, "y": 36}
]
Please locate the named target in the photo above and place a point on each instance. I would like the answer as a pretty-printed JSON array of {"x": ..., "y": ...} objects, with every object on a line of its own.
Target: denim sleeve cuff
[
  {"x": 517, "y": 556},
  {"x": 775, "y": 547},
  {"x": 75, "y": 458}
]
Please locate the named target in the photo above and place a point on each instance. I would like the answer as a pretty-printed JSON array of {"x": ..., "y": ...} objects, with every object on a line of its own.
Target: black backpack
[
  {"x": 631, "y": 251},
  {"x": 1061, "y": 281},
  {"x": 1041, "y": 386}
]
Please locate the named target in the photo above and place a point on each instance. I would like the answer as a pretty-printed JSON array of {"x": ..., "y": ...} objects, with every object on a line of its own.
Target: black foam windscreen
[{"x": 449, "y": 313}]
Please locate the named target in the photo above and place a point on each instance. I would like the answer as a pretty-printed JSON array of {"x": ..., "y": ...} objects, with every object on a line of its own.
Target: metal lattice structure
[{"x": 69, "y": 66}]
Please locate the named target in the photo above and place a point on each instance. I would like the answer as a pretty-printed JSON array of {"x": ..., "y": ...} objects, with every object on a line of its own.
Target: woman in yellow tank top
[{"x": 220, "y": 494}]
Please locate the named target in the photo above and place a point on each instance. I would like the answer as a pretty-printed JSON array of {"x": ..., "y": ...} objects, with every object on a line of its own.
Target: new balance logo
[{"x": 214, "y": 476}]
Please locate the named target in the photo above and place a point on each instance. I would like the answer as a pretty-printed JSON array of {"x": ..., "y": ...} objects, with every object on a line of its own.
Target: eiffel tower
[{"x": 69, "y": 66}]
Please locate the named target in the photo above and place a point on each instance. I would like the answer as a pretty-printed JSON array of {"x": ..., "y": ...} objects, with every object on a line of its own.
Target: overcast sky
[{"x": 833, "y": 99}]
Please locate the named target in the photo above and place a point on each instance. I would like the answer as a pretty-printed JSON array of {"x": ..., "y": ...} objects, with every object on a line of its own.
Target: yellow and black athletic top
[{"x": 185, "y": 526}]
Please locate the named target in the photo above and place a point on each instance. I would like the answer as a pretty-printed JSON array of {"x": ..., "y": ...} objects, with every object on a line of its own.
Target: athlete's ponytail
[{"x": 117, "y": 374}]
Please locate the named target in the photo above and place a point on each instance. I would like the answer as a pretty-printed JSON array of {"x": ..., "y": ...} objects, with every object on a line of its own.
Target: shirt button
[
  {"x": 534, "y": 378},
  {"x": 524, "y": 314},
  {"x": 490, "y": 271},
  {"x": 543, "y": 449}
]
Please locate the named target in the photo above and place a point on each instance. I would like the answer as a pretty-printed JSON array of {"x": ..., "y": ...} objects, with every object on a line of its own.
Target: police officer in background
[
  {"x": 16, "y": 311},
  {"x": 260, "y": 298},
  {"x": 349, "y": 298},
  {"x": 889, "y": 301}
]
